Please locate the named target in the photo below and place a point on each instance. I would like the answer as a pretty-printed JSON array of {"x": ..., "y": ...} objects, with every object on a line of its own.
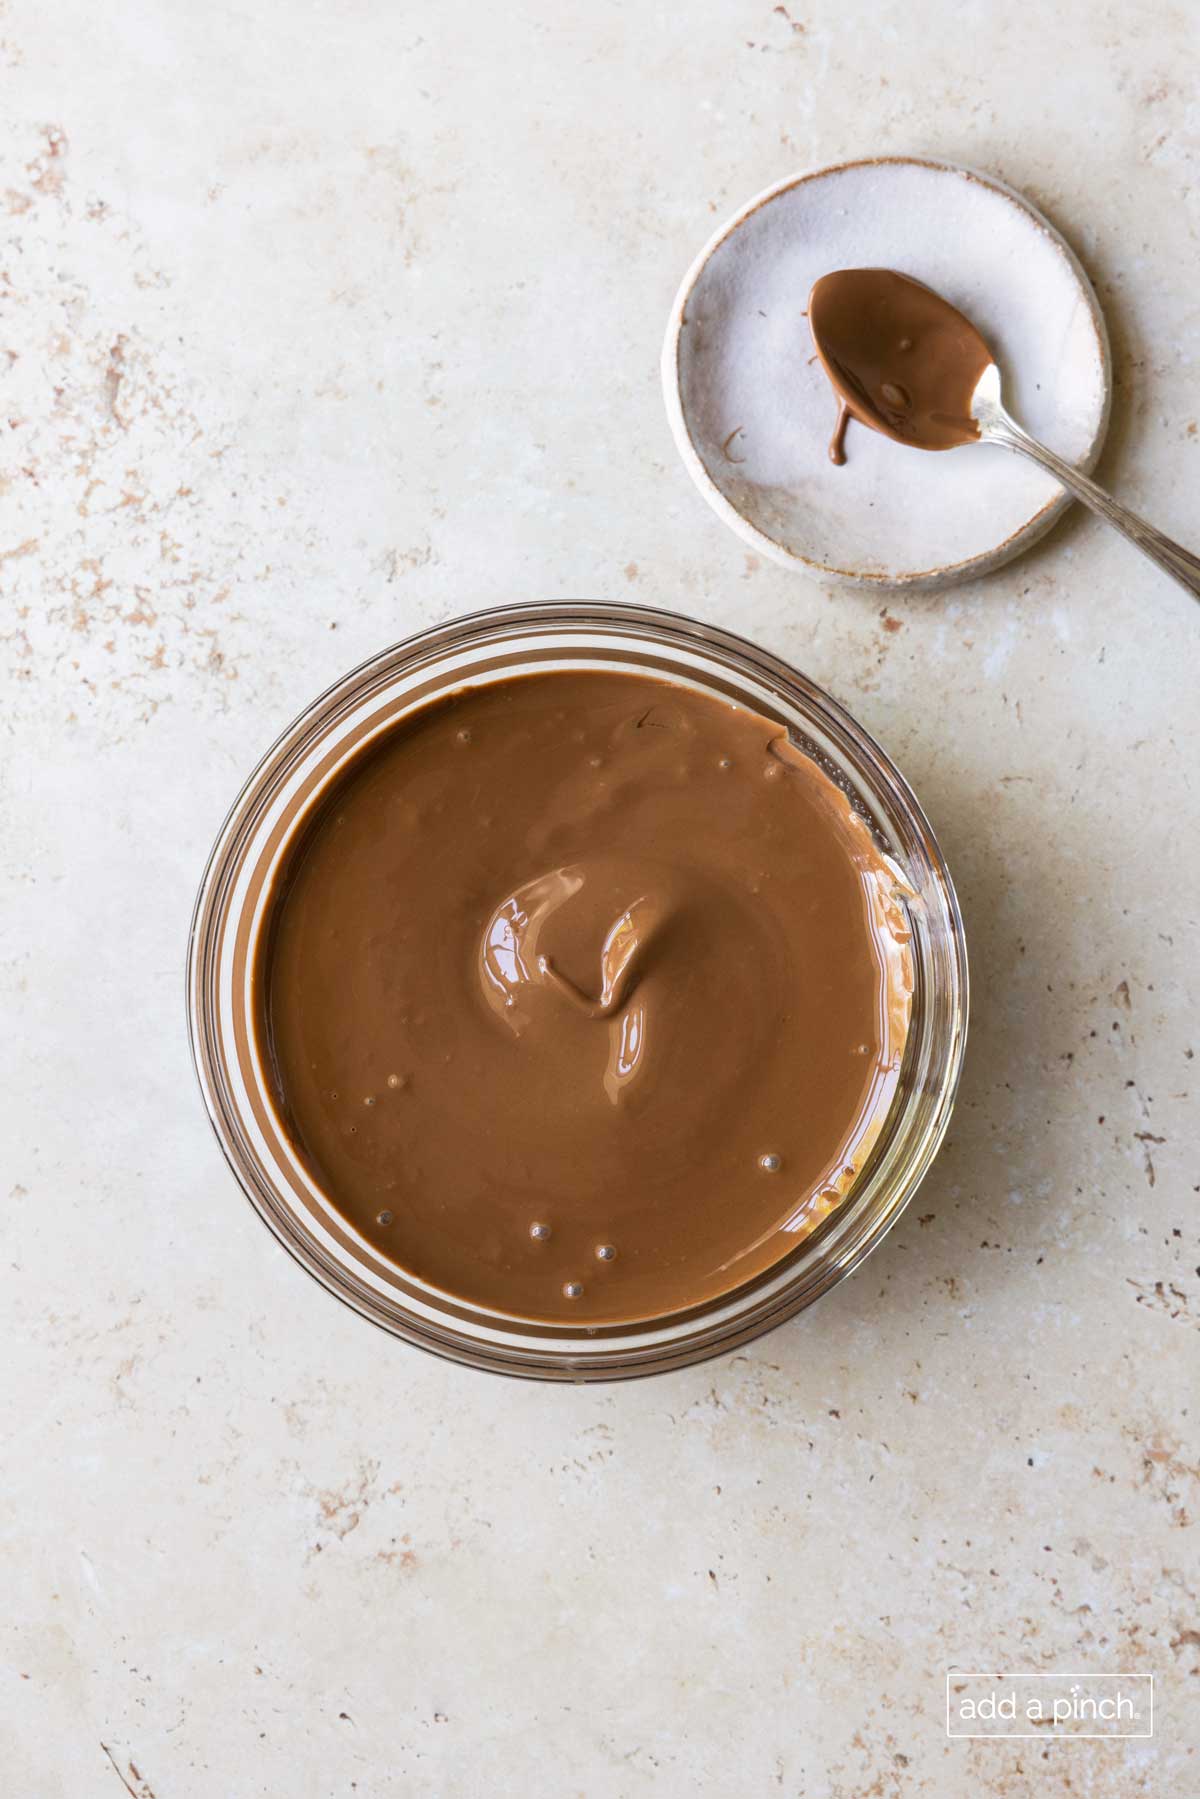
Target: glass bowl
[{"x": 233, "y": 901}]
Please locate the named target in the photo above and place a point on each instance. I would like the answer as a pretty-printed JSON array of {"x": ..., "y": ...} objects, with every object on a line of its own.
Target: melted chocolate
[
  {"x": 583, "y": 995},
  {"x": 901, "y": 359}
]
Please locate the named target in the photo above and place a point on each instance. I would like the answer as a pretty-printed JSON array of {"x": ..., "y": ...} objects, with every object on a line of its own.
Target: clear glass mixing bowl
[{"x": 233, "y": 899}]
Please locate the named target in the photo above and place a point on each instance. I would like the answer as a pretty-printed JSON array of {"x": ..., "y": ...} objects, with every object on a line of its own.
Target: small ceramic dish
[{"x": 752, "y": 411}]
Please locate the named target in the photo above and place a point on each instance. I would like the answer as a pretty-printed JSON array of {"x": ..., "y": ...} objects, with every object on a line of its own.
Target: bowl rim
[
  {"x": 922, "y": 580},
  {"x": 581, "y": 1363}
]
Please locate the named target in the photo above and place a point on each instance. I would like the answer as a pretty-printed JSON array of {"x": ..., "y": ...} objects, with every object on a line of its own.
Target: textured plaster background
[{"x": 323, "y": 321}]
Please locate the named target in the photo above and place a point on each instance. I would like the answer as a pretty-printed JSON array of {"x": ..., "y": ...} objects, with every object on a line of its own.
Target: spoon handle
[{"x": 999, "y": 428}]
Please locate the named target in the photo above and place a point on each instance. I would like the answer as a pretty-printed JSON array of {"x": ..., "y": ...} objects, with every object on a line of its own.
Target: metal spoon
[
  {"x": 908, "y": 364},
  {"x": 997, "y": 426}
]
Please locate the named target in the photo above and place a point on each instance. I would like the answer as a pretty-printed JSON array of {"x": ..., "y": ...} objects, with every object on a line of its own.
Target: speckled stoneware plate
[{"x": 752, "y": 411}]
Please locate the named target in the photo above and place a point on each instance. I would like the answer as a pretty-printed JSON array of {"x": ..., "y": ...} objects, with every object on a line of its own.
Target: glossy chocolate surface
[{"x": 583, "y": 995}]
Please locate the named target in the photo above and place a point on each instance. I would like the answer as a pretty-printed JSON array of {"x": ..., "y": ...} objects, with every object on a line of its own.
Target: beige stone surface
[{"x": 323, "y": 321}]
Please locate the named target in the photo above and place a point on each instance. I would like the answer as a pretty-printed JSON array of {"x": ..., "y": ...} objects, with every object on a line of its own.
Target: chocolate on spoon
[
  {"x": 901, "y": 359},
  {"x": 904, "y": 361}
]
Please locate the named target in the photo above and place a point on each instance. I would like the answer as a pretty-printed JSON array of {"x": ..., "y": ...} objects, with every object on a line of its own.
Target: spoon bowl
[{"x": 900, "y": 358}]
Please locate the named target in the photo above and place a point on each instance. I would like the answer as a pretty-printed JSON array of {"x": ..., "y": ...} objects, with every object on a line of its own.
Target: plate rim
[{"x": 920, "y": 580}]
